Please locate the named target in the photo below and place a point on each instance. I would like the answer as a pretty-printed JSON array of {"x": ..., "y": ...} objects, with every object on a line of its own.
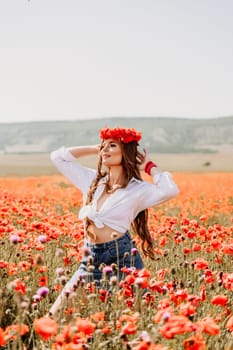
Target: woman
[{"x": 115, "y": 199}]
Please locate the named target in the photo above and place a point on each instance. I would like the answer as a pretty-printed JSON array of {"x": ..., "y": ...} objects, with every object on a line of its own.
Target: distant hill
[{"x": 160, "y": 134}]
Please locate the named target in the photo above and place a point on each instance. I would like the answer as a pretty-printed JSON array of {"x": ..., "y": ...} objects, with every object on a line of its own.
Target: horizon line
[{"x": 113, "y": 117}]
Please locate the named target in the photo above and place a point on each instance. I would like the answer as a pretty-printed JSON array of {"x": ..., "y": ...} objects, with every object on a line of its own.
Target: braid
[{"x": 90, "y": 195}]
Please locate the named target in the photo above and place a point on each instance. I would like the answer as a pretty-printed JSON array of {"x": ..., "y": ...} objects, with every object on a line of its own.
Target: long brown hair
[{"x": 131, "y": 169}]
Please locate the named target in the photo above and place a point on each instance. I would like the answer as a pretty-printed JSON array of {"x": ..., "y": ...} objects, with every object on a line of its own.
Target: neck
[
  {"x": 116, "y": 179},
  {"x": 116, "y": 176}
]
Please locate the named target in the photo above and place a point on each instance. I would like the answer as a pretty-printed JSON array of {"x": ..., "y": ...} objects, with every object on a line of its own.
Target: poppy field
[{"x": 182, "y": 300}]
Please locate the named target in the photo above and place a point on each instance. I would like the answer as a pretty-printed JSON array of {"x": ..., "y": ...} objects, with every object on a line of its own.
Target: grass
[{"x": 39, "y": 164}]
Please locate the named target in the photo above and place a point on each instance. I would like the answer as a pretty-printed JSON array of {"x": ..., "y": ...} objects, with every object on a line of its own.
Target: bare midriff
[{"x": 102, "y": 235}]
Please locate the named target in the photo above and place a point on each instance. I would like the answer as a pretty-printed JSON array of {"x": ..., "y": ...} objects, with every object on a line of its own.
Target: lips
[{"x": 104, "y": 156}]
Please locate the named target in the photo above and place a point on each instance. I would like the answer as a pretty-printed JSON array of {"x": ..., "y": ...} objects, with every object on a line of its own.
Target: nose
[{"x": 105, "y": 147}]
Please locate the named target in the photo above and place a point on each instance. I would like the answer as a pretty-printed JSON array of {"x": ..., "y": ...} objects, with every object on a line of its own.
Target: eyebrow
[{"x": 110, "y": 141}]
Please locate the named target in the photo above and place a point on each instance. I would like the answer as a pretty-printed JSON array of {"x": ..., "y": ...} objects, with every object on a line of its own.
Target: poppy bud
[
  {"x": 14, "y": 239},
  {"x": 42, "y": 291}
]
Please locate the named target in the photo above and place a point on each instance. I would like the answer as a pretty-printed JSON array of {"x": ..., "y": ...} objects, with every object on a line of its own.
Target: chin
[
  {"x": 109, "y": 164},
  {"x": 105, "y": 162}
]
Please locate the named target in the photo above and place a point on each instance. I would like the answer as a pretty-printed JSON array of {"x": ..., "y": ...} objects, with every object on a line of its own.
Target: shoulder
[{"x": 137, "y": 184}]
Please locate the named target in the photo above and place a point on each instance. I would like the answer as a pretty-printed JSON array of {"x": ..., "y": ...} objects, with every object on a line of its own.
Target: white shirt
[{"x": 121, "y": 207}]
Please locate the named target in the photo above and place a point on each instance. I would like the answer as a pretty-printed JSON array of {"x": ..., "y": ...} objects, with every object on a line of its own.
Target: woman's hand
[
  {"x": 98, "y": 148},
  {"x": 142, "y": 159}
]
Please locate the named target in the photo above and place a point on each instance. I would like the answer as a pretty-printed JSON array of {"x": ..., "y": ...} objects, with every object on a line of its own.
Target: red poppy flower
[
  {"x": 129, "y": 328},
  {"x": 14, "y": 330},
  {"x": 3, "y": 264},
  {"x": 103, "y": 294},
  {"x": 2, "y": 337},
  {"x": 229, "y": 324},
  {"x": 176, "y": 325},
  {"x": 196, "y": 247},
  {"x": 85, "y": 326},
  {"x": 43, "y": 280},
  {"x": 227, "y": 279},
  {"x": 162, "y": 315},
  {"x": 196, "y": 342},
  {"x": 157, "y": 286},
  {"x": 208, "y": 326},
  {"x": 19, "y": 286},
  {"x": 227, "y": 249},
  {"x": 200, "y": 264},
  {"x": 203, "y": 293},
  {"x": 219, "y": 300},
  {"x": 98, "y": 316},
  {"x": 179, "y": 296},
  {"x": 187, "y": 309},
  {"x": 161, "y": 273},
  {"x": 143, "y": 345},
  {"x": 216, "y": 244},
  {"x": 144, "y": 273},
  {"x": 45, "y": 327},
  {"x": 187, "y": 250}
]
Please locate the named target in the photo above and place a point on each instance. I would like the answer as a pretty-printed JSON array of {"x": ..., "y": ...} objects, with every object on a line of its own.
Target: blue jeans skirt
[{"x": 121, "y": 252}]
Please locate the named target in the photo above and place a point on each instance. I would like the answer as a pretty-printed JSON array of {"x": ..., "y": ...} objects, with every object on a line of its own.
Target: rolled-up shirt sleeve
[
  {"x": 163, "y": 189},
  {"x": 77, "y": 174}
]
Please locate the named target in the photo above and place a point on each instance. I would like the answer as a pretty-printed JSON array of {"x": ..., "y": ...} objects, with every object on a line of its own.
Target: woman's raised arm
[
  {"x": 82, "y": 151},
  {"x": 65, "y": 161}
]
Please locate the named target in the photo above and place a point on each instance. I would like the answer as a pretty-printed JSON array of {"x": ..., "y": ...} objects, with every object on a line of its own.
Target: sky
[{"x": 76, "y": 59}]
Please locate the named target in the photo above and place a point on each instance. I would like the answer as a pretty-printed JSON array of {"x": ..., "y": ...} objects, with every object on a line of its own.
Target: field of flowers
[{"x": 183, "y": 300}]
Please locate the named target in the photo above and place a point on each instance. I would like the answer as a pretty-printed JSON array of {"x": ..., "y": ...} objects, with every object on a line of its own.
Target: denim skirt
[{"x": 121, "y": 252}]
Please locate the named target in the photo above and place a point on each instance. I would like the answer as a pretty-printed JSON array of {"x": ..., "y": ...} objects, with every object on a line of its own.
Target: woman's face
[{"x": 111, "y": 152}]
